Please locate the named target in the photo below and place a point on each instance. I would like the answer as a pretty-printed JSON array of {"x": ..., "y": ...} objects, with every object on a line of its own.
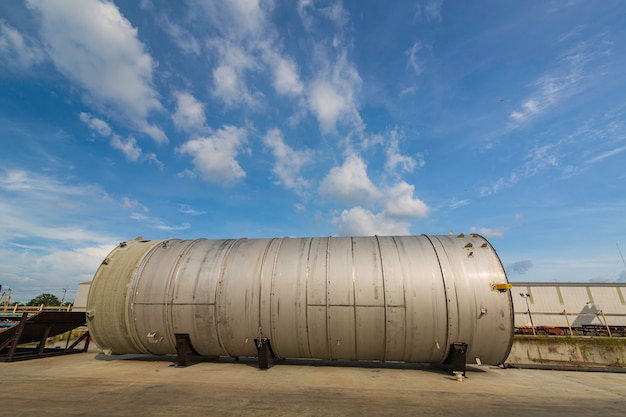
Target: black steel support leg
[
  {"x": 267, "y": 359},
  {"x": 457, "y": 358},
  {"x": 186, "y": 355},
  {"x": 17, "y": 337},
  {"x": 42, "y": 342}
]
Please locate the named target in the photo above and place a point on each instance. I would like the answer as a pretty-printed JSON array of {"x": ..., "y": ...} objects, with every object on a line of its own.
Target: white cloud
[
  {"x": 229, "y": 86},
  {"x": 455, "y": 204},
  {"x": 130, "y": 204},
  {"x": 238, "y": 18},
  {"x": 303, "y": 8},
  {"x": 486, "y": 232},
  {"x": 91, "y": 43},
  {"x": 38, "y": 206},
  {"x": 536, "y": 160},
  {"x": 96, "y": 124},
  {"x": 332, "y": 96},
  {"x": 26, "y": 181},
  {"x": 335, "y": 13},
  {"x": 358, "y": 221},
  {"x": 286, "y": 79},
  {"x": 182, "y": 37},
  {"x": 606, "y": 154},
  {"x": 349, "y": 183},
  {"x": 17, "y": 50},
  {"x": 128, "y": 147},
  {"x": 214, "y": 157},
  {"x": 413, "y": 60},
  {"x": 234, "y": 60},
  {"x": 32, "y": 271},
  {"x": 288, "y": 160},
  {"x": 555, "y": 85},
  {"x": 401, "y": 202},
  {"x": 190, "y": 210},
  {"x": 158, "y": 224},
  {"x": 327, "y": 104},
  {"x": 395, "y": 160},
  {"x": 430, "y": 10},
  {"x": 189, "y": 115}
]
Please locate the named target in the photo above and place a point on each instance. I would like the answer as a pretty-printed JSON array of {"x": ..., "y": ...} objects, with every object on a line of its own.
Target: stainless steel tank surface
[{"x": 401, "y": 298}]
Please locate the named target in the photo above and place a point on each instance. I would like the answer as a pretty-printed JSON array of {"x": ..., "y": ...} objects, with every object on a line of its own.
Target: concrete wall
[{"x": 568, "y": 351}]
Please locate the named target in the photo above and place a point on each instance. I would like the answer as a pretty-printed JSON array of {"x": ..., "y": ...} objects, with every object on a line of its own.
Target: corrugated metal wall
[{"x": 584, "y": 304}]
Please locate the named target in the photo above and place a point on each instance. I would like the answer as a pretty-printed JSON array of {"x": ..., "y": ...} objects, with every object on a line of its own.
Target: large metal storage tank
[{"x": 403, "y": 298}]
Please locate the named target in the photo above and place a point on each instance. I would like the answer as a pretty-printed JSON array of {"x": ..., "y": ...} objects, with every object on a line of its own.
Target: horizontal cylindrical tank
[{"x": 403, "y": 298}]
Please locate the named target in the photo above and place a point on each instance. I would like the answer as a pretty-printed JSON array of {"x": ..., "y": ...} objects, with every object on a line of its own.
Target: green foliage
[{"x": 46, "y": 299}]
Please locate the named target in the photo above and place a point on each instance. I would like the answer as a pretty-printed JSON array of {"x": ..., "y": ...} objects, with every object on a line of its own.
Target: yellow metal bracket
[{"x": 501, "y": 287}]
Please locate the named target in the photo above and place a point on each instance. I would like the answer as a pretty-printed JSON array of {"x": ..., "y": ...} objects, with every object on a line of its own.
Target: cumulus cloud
[
  {"x": 520, "y": 267},
  {"x": 229, "y": 76},
  {"x": 358, "y": 221},
  {"x": 92, "y": 44},
  {"x": 18, "y": 51},
  {"x": 487, "y": 232},
  {"x": 286, "y": 78},
  {"x": 214, "y": 157},
  {"x": 327, "y": 104},
  {"x": 622, "y": 277},
  {"x": 332, "y": 96},
  {"x": 189, "y": 114},
  {"x": 349, "y": 183},
  {"x": 128, "y": 147},
  {"x": 401, "y": 202},
  {"x": 288, "y": 160}
]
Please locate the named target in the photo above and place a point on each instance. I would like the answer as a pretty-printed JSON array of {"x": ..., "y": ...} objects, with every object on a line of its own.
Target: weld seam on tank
[
  {"x": 382, "y": 274},
  {"x": 306, "y": 296},
  {"x": 135, "y": 281},
  {"x": 449, "y": 321},
  {"x": 329, "y": 351},
  {"x": 219, "y": 288}
]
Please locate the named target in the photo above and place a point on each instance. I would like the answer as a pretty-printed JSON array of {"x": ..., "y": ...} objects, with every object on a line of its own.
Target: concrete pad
[{"x": 88, "y": 385}]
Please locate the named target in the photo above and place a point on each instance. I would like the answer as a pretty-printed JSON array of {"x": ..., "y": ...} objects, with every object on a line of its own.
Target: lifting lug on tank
[{"x": 501, "y": 287}]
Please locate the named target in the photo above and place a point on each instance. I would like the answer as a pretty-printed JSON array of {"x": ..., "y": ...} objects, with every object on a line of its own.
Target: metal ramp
[{"x": 36, "y": 329}]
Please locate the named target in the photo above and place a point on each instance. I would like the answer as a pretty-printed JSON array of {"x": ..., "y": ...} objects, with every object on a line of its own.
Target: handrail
[{"x": 33, "y": 309}]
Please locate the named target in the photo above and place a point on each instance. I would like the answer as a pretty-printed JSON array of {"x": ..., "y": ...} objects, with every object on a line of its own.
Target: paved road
[{"x": 87, "y": 385}]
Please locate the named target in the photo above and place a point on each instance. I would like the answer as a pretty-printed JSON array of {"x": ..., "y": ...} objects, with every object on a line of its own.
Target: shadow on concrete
[{"x": 254, "y": 363}]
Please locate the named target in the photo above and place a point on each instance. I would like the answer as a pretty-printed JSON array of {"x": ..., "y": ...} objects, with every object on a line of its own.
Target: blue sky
[{"x": 250, "y": 118}]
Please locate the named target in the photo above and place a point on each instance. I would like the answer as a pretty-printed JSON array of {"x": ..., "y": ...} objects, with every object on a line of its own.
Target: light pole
[{"x": 526, "y": 296}]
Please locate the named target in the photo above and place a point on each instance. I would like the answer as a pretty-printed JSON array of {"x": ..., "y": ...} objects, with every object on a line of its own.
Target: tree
[{"x": 45, "y": 299}]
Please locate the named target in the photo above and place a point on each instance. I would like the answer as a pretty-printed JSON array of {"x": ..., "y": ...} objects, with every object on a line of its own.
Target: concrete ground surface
[{"x": 89, "y": 384}]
